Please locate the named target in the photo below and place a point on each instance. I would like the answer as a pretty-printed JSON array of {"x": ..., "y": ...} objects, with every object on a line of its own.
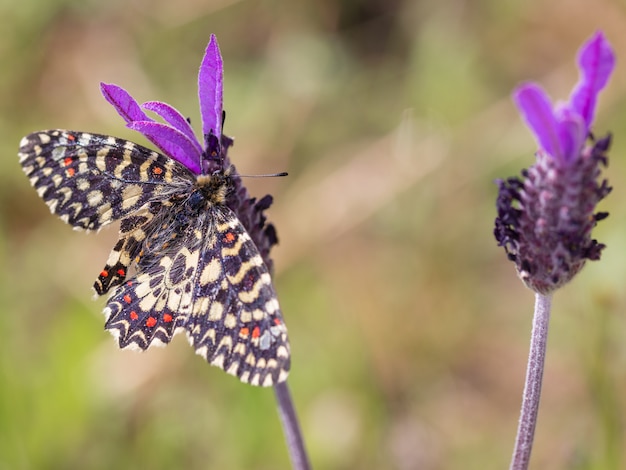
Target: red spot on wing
[
  {"x": 129, "y": 283},
  {"x": 244, "y": 331},
  {"x": 104, "y": 273},
  {"x": 67, "y": 161},
  {"x": 256, "y": 332},
  {"x": 150, "y": 322},
  {"x": 133, "y": 315},
  {"x": 70, "y": 137},
  {"x": 121, "y": 272},
  {"x": 229, "y": 237},
  {"x": 127, "y": 299},
  {"x": 70, "y": 172},
  {"x": 157, "y": 170},
  {"x": 277, "y": 321},
  {"x": 167, "y": 317}
]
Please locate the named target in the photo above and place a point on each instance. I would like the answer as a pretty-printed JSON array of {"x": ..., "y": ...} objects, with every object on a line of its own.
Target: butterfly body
[{"x": 183, "y": 261}]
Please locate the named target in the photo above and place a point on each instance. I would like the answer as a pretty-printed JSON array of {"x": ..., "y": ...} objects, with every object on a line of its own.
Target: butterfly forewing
[
  {"x": 195, "y": 266},
  {"x": 128, "y": 249},
  {"x": 236, "y": 323},
  {"x": 90, "y": 180}
]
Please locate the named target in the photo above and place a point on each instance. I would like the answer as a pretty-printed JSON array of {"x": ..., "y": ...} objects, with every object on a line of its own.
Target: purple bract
[
  {"x": 562, "y": 130},
  {"x": 176, "y": 138}
]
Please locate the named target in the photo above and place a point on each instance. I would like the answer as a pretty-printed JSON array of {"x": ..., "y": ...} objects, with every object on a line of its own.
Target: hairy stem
[
  {"x": 291, "y": 427},
  {"x": 532, "y": 388}
]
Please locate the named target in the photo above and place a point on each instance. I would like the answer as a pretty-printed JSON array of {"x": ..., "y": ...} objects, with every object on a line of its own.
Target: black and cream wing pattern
[{"x": 183, "y": 261}]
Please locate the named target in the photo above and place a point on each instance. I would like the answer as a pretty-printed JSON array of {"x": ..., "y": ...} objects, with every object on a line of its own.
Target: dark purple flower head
[
  {"x": 176, "y": 139},
  {"x": 545, "y": 218}
]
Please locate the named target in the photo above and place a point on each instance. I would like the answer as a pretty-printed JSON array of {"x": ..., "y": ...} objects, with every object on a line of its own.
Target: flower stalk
[
  {"x": 532, "y": 387},
  {"x": 291, "y": 427}
]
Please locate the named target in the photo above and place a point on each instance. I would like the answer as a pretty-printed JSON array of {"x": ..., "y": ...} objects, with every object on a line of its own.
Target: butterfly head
[{"x": 217, "y": 187}]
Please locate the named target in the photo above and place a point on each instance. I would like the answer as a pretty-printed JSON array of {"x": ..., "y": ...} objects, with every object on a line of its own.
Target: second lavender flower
[{"x": 546, "y": 217}]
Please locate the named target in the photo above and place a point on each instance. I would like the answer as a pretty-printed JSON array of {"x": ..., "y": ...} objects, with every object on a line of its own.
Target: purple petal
[
  {"x": 536, "y": 110},
  {"x": 210, "y": 85},
  {"x": 174, "y": 118},
  {"x": 124, "y": 104},
  {"x": 171, "y": 141},
  {"x": 572, "y": 133},
  {"x": 127, "y": 107},
  {"x": 596, "y": 61}
]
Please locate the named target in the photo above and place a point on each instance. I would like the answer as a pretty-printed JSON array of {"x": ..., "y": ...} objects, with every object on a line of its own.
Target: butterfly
[{"x": 183, "y": 261}]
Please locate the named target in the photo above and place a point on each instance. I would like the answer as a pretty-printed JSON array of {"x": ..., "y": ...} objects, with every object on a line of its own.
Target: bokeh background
[{"x": 409, "y": 328}]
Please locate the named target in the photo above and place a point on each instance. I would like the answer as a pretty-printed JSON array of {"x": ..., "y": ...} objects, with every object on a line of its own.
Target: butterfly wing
[
  {"x": 150, "y": 307},
  {"x": 236, "y": 323},
  {"x": 152, "y": 304},
  {"x": 134, "y": 230},
  {"x": 90, "y": 180}
]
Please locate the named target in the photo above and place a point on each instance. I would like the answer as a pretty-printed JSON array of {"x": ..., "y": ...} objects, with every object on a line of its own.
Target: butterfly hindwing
[
  {"x": 90, "y": 180},
  {"x": 153, "y": 303},
  {"x": 144, "y": 311}
]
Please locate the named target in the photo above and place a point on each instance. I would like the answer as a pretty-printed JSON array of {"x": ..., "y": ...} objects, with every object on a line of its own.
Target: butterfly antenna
[{"x": 271, "y": 175}]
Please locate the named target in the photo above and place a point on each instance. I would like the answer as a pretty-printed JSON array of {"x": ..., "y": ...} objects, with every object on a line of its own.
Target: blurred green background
[{"x": 409, "y": 328}]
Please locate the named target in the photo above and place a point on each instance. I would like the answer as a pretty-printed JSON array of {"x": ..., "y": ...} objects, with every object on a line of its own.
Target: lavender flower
[
  {"x": 176, "y": 139},
  {"x": 545, "y": 218}
]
